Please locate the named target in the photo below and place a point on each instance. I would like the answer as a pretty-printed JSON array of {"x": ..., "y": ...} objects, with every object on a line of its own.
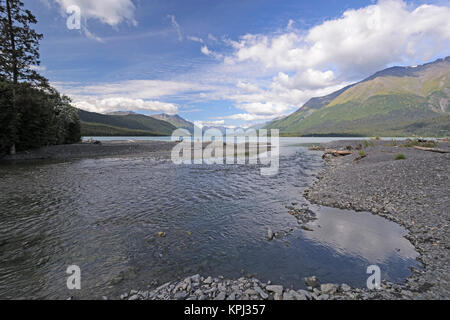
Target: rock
[
  {"x": 195, "y": 278},
  {"x": 221, "y": 296},
  {"x": 270, "y": 234},
  {"x": 345, "y": 287},
  {"x": 312, "y": 282},
  {"x": 287, "y": 296},
  {"x": 261, "y": 292},
  {"x": 250, "y": 292},
  {"x": 277, "y": 296},
  {"x": 134, "y": 297},
  {"x": 275, "y": 288},
  {"x": 305, "y": 293},
  {"x": 182, "y": 295},
  {"x": 208, "y": 280},
  {"x": 161, "y": 234},
  {"x": 328, "y": 288},
  {"x": 323, "y": 297},
  {"x": 297, "y": 295}
]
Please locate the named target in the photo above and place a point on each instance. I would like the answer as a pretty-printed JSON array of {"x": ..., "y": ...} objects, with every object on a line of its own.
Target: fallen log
[
  {"x": 337, "y": 153},
  {"x": 432, "y": 149}
]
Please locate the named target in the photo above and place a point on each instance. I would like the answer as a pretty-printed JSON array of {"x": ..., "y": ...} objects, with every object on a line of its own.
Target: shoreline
[
  {"x": 85, "y": 150},
  {"x": 370, "y": 183}
]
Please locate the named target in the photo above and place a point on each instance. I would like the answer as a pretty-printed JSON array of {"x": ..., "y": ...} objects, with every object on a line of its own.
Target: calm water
[{"x": 104, "y": 216}]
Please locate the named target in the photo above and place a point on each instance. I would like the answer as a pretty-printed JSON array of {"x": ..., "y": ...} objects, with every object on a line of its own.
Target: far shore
[{"x": 156, "y": 149}]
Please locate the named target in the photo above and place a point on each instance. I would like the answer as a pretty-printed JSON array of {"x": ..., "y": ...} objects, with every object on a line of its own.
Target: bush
[{"x": 400, "y": 156}]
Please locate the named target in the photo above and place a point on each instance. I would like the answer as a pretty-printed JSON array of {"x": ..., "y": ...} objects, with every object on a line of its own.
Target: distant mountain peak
[{"x": 397, "y": 101}]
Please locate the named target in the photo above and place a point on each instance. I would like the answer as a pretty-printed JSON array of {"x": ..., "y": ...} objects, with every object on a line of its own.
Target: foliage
[
  {"x": 400, "y": 156},
  {"x": 32, "y": 114}
]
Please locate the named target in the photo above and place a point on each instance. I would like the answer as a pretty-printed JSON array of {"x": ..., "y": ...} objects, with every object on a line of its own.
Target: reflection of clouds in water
[{"x": 370, "y": 237}]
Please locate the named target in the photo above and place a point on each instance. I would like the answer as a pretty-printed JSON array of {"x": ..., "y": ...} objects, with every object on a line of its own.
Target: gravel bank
[{"x": 413, "y": 192}]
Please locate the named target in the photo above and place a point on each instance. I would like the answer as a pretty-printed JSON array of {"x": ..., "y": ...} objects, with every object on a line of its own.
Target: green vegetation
[
  {"x": 95, "y": 124},
  {"x": 400, "y": 156},
  {"x": 362, "y": 153},
  {"x": 32, "y": 114},
  {"x": 420, "y": 143},
  {"x": 414, "y": 102},
  {"x": 368, "y": 143}
]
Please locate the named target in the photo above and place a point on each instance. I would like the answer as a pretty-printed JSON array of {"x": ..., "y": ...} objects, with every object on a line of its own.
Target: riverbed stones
[
  {"x": 328, "y": 288},
  {"x": 312, "y": 282},
  {"x": 275, "y": 288}
]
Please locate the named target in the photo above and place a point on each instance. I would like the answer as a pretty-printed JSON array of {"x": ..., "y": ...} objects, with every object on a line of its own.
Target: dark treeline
[{"x": 32, "y": 113}]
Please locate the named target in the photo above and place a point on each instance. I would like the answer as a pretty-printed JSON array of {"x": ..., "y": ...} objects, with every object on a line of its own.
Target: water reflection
[{"x": 104, "y": 215}]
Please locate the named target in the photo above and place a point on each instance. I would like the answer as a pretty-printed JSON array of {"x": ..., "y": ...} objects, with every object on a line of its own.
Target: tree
[{"x": 19, "y": 53}]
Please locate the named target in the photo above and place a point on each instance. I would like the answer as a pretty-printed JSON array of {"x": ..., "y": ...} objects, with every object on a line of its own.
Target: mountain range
[{"x": 398, "y": 101}]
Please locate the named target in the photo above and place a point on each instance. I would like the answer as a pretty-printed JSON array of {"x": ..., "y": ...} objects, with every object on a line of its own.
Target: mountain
[
  {"x": 398, "y": 101},
  {"x": 175, "y": 120},
  {"x": 96, "y": 124}
]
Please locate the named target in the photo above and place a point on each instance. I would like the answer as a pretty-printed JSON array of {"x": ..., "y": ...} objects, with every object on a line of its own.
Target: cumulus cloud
[
  {"x": 111, "y": 12},
  {"x": 205, "y": 50},
  {"x": 361, "y": 41},
  {"x": 125, "y": 104},
  {"x": 335, "y": 53}
]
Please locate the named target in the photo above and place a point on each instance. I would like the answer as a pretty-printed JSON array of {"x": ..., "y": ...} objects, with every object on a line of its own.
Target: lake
[{"x": 104, "y": 215}]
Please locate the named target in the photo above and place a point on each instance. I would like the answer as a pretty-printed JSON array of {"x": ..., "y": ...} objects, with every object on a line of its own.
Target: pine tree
[{"x": 19, "y": 53}]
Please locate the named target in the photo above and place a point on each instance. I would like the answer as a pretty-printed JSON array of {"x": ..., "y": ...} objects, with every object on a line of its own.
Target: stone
[
  {"x": 328, "y": 288},
  {"x": 275, "y": 288},
  {"x": 208, "y": 280},
  {"x": 221, "y": 296},
  {"x": 312, "y": 282},
  {"x": 182, "y": 295},
  {"x": 261, "y": 292}
]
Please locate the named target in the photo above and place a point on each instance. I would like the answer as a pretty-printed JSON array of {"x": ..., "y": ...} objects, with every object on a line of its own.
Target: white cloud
[
  {"x": 125, "y": 104},
  {"x": 325, "y": 58},
  {"x": 266, "y": 108},
  {"x": 205, "y": 50},
  {"x": 176, "y": 26},
  {"x": 111, "y": 12},
  {"x": 195, "y": 39},
  {"x": 361, "y": 41}
]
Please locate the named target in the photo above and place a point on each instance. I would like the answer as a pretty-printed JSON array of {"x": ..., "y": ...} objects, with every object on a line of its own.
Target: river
[{"x": 104, "y": 215}]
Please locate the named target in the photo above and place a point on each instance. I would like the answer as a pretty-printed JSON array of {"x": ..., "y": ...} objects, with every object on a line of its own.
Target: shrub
[{"x": 400, "y": 156}]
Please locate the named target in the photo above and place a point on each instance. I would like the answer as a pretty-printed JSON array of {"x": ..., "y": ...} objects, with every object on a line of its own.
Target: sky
[{"x": 229, "y": 62}]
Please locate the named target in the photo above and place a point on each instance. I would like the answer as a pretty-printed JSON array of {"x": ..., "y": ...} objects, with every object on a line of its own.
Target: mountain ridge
[{"x": 397, "y": 101}]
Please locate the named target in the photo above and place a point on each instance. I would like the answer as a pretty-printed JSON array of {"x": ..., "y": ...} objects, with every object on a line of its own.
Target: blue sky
[{"x": 232, "y": 63}]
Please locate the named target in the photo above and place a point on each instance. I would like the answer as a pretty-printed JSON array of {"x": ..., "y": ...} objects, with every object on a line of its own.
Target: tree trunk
[{"x": 15, "y": 78}]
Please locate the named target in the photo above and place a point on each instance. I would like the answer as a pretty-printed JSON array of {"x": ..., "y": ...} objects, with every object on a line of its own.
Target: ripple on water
[{"x": 105, "y": 214}]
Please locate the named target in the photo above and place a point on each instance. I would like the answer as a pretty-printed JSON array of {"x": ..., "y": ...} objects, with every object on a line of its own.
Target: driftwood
[
  {"x": 432, "y": 149},
  {"x": 337, "y": 153}
]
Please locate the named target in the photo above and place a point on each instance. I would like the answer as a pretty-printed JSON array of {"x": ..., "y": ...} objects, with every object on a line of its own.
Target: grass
[
  {"x": 400, "y": 156},
  {"x": 416, "y": 142},
  {"x": 362, "y": 153},
  {"x": 368, "y": 143}
]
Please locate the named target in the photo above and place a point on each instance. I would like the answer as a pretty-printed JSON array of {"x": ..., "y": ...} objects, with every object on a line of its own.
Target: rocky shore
[{"x": 411, "y": 190}]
